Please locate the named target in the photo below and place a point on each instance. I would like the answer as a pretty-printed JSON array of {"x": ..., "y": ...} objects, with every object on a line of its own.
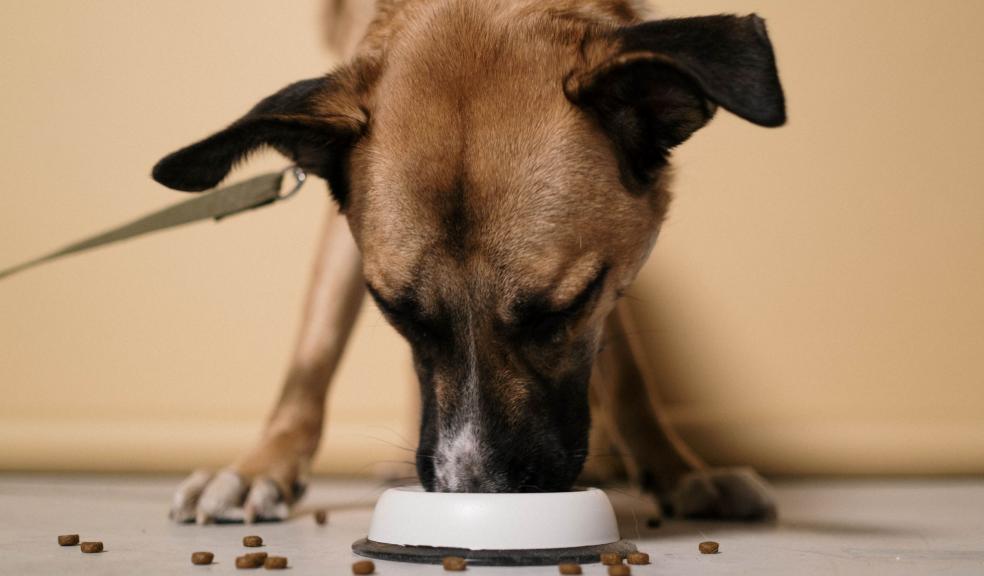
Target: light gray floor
[{"x": 827, "y": 527}]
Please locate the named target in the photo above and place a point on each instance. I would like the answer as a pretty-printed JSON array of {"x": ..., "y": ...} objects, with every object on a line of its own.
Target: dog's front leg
[
  {"x": 272, "y": 475},
  {"x": 624, "y": 386}
]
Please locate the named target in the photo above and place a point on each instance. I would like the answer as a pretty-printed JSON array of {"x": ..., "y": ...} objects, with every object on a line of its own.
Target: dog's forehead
[
  {"x": 476, "y": 161},
  {"x": 502, "y": 190}
]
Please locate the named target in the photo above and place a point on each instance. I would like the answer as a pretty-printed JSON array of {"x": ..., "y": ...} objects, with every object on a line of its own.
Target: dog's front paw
[
  {"x": 724, "y": 494},
  {"x": 228, "y": 496}
]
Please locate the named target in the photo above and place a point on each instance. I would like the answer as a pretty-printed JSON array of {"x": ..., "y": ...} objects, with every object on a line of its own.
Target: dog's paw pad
[{"x": 725, "y": 494}]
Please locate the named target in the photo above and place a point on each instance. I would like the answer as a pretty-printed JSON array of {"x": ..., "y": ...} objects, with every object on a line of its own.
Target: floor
[{"x": 826, "y": 527}]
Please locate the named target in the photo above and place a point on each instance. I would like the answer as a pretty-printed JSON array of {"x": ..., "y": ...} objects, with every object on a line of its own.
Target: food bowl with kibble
[{"x": 410, "y": 524}]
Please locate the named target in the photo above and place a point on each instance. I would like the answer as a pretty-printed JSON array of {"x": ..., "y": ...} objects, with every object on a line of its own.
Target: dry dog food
[
  {"x": 248, "y": 562},
  {"x": 92, "y": 547},
  {"x": 68, "y": 540},
  {"x": 611, "y": 558},
  {"x": 453, "y": 563},
  {"x": 570, "y": 568},
  {"x": 708, "y": 547},
  {"x": 258, "y": 557},
  {"x": 275, "y": 563},
  {"x": 638, "y": 558},
  {"x": 619, "y": 570},
  {"x": 363, "y": 567},
  {"x": 252, "y": 541},
  {"x": 202, "y": 558},
  {"x": 321, "y": 517}
]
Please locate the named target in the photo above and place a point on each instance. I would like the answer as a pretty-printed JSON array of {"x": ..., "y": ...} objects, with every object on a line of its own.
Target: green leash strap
[{"x": 260, "y": 191}]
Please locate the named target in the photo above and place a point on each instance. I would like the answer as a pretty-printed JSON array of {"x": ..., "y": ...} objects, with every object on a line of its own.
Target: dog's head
[{"x": 505, "y": 178}]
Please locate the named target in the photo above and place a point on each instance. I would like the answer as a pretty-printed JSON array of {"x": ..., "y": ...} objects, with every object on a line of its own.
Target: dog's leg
[
  {"x": 272, "y": 475},
  {"x": 604, "y": 463},
  {"x": 655, "y": 455}
]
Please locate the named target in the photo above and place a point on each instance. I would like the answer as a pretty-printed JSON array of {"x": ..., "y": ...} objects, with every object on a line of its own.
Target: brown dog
[{"x": 502, "y": 166}]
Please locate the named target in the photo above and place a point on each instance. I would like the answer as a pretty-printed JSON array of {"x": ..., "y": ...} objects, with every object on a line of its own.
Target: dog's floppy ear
[
  {"x": 312, "y": 122},
  {"x": 662, "y": 80}
]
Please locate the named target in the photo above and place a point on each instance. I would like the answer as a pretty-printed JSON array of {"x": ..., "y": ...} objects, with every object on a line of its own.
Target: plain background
[{"x": 816, "y": 300}]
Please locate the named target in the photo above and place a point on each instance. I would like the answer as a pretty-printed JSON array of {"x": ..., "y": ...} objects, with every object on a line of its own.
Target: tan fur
[
  {"x": 433, "y": 55},
  {"x": 547, "y": 208}
]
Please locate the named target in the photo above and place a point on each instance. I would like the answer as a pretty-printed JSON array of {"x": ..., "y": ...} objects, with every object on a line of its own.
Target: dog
[{"x": 502, "y": 170}]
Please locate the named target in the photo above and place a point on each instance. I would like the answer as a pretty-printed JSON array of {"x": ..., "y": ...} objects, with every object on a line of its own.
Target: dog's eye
[
  {"x": 549, "y": 326},
  {"x": 425, "y": 331},
  {"x": 405, "y": 317},
  {"x": 544, "y": 324}
]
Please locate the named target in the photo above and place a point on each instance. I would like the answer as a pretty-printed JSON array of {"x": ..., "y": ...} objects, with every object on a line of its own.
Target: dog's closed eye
[
  {"x": 543, "y": 322},
  {"x": 405, "y": 315}
]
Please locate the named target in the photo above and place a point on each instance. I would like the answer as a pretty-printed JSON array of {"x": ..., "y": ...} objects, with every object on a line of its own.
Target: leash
[{"x": 220, "y": 203}]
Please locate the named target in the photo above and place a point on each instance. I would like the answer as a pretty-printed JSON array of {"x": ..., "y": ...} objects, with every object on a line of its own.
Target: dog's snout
[
  {"x": 462, "y": 463},
  {"x": 522, "y": 461}
]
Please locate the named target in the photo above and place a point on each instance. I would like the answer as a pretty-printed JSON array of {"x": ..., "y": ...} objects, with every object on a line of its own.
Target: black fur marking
[
  {"x": 457, "y": 223},
  {"x": 729, "y": 57},
  {"x": 288, "y": 121},
  {"x": 667, "y": 79},
  {"x": 537, "y": 444}
]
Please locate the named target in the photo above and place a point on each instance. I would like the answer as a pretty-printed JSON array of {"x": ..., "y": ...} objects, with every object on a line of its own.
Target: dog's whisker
[
  {"x": 391, "y": 430},
  {"x": 404, "y": 481},
  {"x": 384, "y": 441}
]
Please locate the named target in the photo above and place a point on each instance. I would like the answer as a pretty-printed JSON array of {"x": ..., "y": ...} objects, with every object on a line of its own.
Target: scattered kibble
[
  {"x": 570, "y": 568},
  {"x": 321, "y": 517},
  {"x": 68, "y": 540},
  {"x": 638, "y": 558},
  {"x": 363, "y": 567},
  {"x": 92, "y": 547},
  {"x": 454, "y": 563},
  {"x": 619, "y": 570},
  {"x": 708, "y": 547},
  {"x": 248, "y": 562},
  {"x": 275, "y": 563},
  {"x": 202, "y": 558},
  {"x": 252, "y": 541},
  {"x": 611, "y": 558}
]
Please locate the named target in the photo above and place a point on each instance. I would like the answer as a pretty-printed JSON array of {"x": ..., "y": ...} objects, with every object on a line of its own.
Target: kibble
[
  {"x": 619, "y": 570},
  {"x": 92, "y": 547},
  {"x": 638, "y": 558},
  {"x": 363, "y": 567},
  {"x": 258, "y": 557},
  {"x": 570, "y": 568},
  {"x": 252, "y": 541},
  {"x": 611, "y": 558},
  {"x": 202, "y": 558},
  {"x": 275, "y": 563},
  {"x": 453, "y": 563},
  {"x": 321, "y": 517},
  {"x": 248, "y": 562},
  {"x": 68, "y": 540},
  {"x": 708, "y": 547}
]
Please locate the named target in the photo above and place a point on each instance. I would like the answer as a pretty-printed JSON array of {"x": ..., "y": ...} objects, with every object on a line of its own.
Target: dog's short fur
[{"x": 503, "y": 168}]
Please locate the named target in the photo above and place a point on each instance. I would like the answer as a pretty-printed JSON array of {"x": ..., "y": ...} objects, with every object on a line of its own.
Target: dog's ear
[
  {"x": 660, "y": 81},
  {"x": 312, "y": 122}
]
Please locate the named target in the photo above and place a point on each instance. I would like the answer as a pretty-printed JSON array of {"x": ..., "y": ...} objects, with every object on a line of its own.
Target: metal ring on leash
[{"x": 300, "y": 176}]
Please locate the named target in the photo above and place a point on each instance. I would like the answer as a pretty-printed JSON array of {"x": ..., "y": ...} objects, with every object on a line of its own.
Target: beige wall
[{"x": 816, "y": 300}]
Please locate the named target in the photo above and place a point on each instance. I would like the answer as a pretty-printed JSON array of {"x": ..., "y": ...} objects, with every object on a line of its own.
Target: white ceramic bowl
[{"x": 412, "y": 517}]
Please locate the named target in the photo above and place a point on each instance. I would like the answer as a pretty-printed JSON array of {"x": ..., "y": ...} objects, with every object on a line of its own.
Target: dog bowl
[{"x": 410, "y": 524}]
